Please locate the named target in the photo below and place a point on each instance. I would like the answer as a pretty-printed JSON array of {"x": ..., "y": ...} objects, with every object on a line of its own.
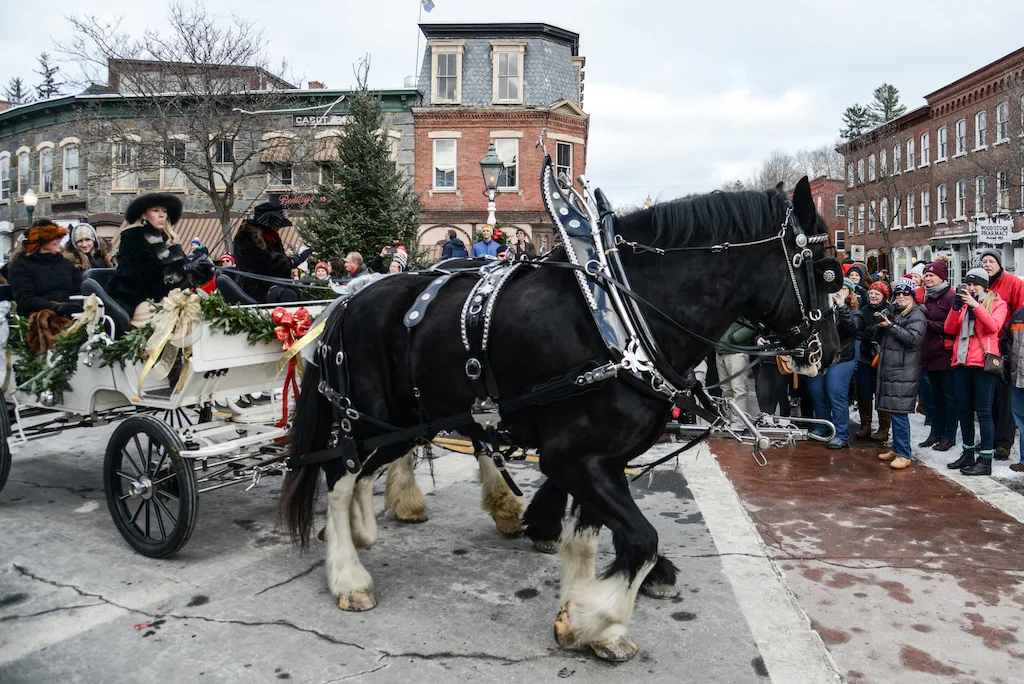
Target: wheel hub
[{"x": 143, "y": 487}]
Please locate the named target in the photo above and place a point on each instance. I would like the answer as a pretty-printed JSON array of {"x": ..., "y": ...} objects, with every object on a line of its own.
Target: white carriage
[{"x": 179, "y": 436}]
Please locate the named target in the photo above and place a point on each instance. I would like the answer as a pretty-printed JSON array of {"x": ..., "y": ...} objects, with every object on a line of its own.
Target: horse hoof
[
  {"x": 563, "y": 630},
  {"x": 511, "y": 527},
  {"x": 413, "y": 518},
  {"x": 545, "y": 546},
  {"x": 322, "y": 534},
  {"x": 660, "y": 591},
  {"x": 358, "y": 601},
  {"x": 616, "y": 650}
]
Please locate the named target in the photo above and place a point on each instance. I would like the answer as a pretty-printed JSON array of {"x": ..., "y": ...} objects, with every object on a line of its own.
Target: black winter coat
[
  {"x": 899, "y": 364},
  {"x": 147, "y": 267},
  {"x": 869, "y": 332},
  {"x": 45, "y": 281},
  {"x": 269, "y": 260},
  {"x": 454, "y": 249},
  {"x": 847, "y": 323}
]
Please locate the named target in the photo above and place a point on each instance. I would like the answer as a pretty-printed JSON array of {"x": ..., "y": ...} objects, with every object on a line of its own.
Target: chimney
[
  {"x": 410, "y": 81},
  {"x": 316, "y": 85}
]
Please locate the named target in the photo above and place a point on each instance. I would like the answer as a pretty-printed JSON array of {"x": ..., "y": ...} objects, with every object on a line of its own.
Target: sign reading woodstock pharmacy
[
  {"x": 994, "y": 231},
  {"x": 322, "y": 120}
]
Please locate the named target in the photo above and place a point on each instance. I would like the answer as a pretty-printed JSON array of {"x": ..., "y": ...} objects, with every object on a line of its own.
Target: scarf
[
  {"x": 271, "y": 237},
  {"x": 966, "y": 330},
  {"x": 938, "y": 290}
]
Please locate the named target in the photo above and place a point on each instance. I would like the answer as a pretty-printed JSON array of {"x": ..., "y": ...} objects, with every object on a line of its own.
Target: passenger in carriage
[
  {"x": 42, "y": 278},
  {"x": 86, "y": 250},
  {"x": 258, "y": 249},
  {"x": 399, "y": 260},
  {"x": 150, "y": 262}
]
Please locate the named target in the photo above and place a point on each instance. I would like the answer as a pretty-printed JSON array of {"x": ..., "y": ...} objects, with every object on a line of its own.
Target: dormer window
[
  {"x": 507, "y": 71},
  {"x": 446, "y": 71}
]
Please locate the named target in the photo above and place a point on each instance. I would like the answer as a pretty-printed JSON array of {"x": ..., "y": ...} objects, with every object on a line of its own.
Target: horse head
[{"x": 801, "y": 313}]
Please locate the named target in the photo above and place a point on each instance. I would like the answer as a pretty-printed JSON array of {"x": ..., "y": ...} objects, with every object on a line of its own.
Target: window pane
[
  {"x": 46, "y": 170},
  {"x": 444, "y": 163},
  {"x": 5, "y": 178},
  {"x": 563, "y": 160},
  {"x": 71, "y": 168},
  {"x": 508, "y": 150},
  {"x": 24, "y": 173}
]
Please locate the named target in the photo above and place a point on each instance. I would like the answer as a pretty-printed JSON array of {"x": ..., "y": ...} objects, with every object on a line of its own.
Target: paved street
[{"x": 821, "y": 566}]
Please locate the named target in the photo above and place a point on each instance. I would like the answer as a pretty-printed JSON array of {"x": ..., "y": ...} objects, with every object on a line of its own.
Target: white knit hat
[{"x": 918, "y": 268}]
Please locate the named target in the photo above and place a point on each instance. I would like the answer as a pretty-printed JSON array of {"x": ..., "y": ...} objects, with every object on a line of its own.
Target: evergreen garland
[
  {"x": 230, "y": 320},
  {"x": 126, "y": 349},
  {"x": 33, "y": 372}
]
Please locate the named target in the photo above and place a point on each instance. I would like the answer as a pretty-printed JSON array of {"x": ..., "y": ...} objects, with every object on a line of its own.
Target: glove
[
  {"x": 957, "y": 304},
  {"x": 66, "y": 309},
  {"x": 301, "y": 257},
  {"x": 201, "y": 270}
]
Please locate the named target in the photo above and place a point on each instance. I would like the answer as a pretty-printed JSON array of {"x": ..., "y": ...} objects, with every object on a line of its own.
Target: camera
[
  {"x": 879, "y": 315},
  {"x": 391, "y": 250}
]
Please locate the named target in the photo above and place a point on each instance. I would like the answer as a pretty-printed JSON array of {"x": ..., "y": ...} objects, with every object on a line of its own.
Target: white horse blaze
[
  {"x": 597, "y": 609},
  {"x": 345, "y": 574}
]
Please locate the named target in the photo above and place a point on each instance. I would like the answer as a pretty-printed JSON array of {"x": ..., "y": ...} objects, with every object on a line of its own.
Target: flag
[{"x": 427, "y": 4}]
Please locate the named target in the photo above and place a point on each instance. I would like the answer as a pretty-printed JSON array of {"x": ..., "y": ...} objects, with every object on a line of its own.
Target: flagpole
[{"x": 416, "y": 66}]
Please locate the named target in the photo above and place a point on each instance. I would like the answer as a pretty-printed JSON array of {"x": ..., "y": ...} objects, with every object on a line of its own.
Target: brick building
[
  {"x": 503, "y": 83},
  {"x": 946, "y": 178},
  {"x": 829, "y": 197}
]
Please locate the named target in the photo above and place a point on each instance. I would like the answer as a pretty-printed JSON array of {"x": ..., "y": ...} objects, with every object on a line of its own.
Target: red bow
[{"x": 290, "y": 329}]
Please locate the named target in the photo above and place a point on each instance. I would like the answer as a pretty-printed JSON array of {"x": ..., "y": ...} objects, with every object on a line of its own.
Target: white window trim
[
  {"x": 506, "y": 134},
  {"x": 45, "y": 145},
  {"x": 40, "y": 148},
  {"x": 980, "y": 149},
  {"x": 565, "y": 137},
  {"x": 64, "y": 147},
  {"x": 1001, "y": 141},
  {"x": 271, "y": 185},
  {"x": 7, "y": 155},
  {"x": 505, "y": 189},
  {"x": 960, "y": 154},
  {"x": 24, "y": 149},
  {"x": 183, "y": 189},
  {"x": 433, "y": 169},
  {"x": 446, "y": 47},
  {"x": 924, "y": 166},
  {"x": 572, "y": 157},
  {"x": 513, "y": 46},
  {"x": 71, "y": 140},
  {"x": 17, "y": 155},
  {"x": 434, "y": 135},
  {"x": 113, "y": 167}
]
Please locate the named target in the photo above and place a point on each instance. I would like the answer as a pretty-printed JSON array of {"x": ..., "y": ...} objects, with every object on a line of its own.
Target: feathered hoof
[
  {"x": 545, "y": 546},
  {"x": 322, "y": 534},
  {"x": 563, "y": 630},
  {"x": 358, "y": 601},
  {"x": 615, "y": 650},
  {"x": 659, "y": 590},
  {"x": 413, "y": 518},
  {"x": 512, "y": 527}
]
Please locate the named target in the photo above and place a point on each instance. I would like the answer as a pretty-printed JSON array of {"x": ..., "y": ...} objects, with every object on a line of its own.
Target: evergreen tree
[
  {"x": 50, "y": 87},
  {"x": 886, "y": 106},
  {"x": 369, "y": 205},
  {"x": 857, "y": 120},
  {"x": 15, "y": 92}
]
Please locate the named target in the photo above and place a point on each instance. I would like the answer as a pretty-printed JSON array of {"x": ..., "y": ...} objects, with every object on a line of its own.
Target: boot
[
  {"x": 983, "y": 466},
  {"x": 966, "y": 459},
  {"x": 884, "y": 421},
  {"x": 864, "y": 407}
]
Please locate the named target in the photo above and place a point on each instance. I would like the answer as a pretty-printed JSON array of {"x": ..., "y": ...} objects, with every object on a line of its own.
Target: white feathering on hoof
[
  {"x": 402, "y": 494},
  {"x": 498, "y": 500},
  {"x": 363, "y": 520},
  {"x": 579, "y": 553},
  {"x": 346, "y": 576}
]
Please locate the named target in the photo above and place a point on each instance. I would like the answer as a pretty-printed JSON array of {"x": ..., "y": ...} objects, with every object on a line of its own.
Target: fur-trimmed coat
[
  {"x": 45, "y": 281},
  {"x": 268, "y": 259},
  {"x": 147, "y": 267}
]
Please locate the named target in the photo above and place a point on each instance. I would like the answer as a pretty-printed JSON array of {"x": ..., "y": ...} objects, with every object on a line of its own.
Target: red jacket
[
  {"x": 986, "y": 326},
  {"x": 1010, "y": 289}
]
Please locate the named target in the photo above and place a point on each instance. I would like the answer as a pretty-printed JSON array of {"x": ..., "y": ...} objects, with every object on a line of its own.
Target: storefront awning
[
  {"x": 325, "y": 149},
  {"x": 278, "y": 150}
]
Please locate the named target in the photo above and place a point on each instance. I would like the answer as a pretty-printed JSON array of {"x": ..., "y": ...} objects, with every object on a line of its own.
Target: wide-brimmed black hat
[
  {"x": 172, "y": 203},
  {"x": 269, "y": 215}
]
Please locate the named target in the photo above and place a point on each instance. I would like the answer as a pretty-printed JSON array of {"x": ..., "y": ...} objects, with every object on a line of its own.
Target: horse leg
[
  {"x": 660, "y": 582},
  {"x": 347, "y": 579},
  {"x": 362, "y": 518},
  {"x": 498, "y": 500},
  {"x": 543, "y": 517},
  {"x": 595, "y": 611},
  {"x": 402, "y": 495}
]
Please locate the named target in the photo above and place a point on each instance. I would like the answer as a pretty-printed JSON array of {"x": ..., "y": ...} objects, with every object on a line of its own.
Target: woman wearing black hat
[
  {"x": 258, "y": 249},
  {"x": 150, "y": 262}
]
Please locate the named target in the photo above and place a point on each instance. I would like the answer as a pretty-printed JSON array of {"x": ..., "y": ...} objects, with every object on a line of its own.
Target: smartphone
[{"x": 392, "y": 250}]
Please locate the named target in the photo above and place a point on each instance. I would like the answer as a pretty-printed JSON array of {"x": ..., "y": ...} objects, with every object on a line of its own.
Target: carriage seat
[
  {"x": 6, "y": 293},
  {"x": 95, "y": 281},
  {"x": 232, "y": 291}
]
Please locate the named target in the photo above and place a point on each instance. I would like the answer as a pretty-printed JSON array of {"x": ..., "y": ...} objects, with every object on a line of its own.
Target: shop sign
[
  {"x": 857, "y": 252},
  {"x": 321, "y": 120},
  {"x": 295, "y": 201},
  {"x": 994, "y": 231}
]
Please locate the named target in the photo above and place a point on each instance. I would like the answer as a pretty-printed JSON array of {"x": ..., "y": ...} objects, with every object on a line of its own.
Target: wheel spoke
[
  {"x": 163, "y": 457},
  {"x": 165, "y": 479},
  {"x": 138, "y": 510},
  {"x": 159, "y": 520},
  {"x": 149, "y": 457},
  {"x": 138, "y": 446},
  {"x": 167, "y": 494},
  {"x": 131, "y": 461},
  {"x": 161, "y": 505},
  {"x": 125, "y": 476},
  {"x": 146, "y": 501}
]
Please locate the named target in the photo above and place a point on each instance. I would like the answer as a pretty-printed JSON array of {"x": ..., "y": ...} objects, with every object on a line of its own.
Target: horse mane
[{"x": 703, "y": 220}]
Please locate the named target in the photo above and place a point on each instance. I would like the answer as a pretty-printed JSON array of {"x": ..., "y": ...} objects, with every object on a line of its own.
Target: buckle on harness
[
  {"x": 473, "y": 369},
  {"x": 485, "y": 414}
]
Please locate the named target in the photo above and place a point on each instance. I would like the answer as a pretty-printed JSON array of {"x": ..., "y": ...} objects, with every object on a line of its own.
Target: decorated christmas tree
[{"x": 369, "y": 205}]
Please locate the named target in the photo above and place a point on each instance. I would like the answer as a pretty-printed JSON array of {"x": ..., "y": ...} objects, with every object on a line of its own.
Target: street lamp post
[
  {"x": 491, "y": 166},
  {"x": 30, "y": 199}
]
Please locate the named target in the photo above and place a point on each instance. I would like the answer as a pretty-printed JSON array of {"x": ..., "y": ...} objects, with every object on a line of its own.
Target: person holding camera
[
  {"x": 902, "y": 328},
  {"x": 830, "y": 392},
  {"x": 399, "y": 260},
  {"x": 937, "y": 356},
  {"x": 877, "y": 301},
  {"x": 975, "y": 320}
]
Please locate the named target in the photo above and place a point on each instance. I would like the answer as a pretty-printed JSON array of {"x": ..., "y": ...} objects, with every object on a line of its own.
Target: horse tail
[{"x": 310, "y": 431}]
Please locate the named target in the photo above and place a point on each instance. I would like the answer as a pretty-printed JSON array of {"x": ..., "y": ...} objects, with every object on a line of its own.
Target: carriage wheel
[
  {"x": 151, "y": 490},
  {"x": 5, "y": 448}
]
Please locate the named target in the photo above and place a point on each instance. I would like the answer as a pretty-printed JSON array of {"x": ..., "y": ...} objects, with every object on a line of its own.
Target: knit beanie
[
  {"x": 904, "y": 286},
  {"x": 939, "y": 267},
  {"x": 978, "y": 276},
  {"x": 994, "y": 254},
  {"x": 850, "y": 285},
  {"x": 880, "y": 286},
  {"x": 918, "y": 268}
]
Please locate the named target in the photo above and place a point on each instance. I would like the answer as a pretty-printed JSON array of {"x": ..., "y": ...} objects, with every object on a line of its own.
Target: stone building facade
[
  {"x": 51, "y": 147},
  {"x": 504, "y": 83},
  {"x": 946, "y": 178}
]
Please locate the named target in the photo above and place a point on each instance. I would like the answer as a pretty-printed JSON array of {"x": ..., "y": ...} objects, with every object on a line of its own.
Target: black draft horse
[{"x": 586, "y": 441}]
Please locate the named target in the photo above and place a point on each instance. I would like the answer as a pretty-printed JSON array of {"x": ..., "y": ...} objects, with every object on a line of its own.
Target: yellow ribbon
[
  {"x": 300, "y": 344},
  {"x": 174, "y": 327},
  {"x": 89, "y": 316}
]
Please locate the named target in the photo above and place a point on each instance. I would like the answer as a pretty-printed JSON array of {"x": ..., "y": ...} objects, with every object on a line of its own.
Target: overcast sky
[{"x": 682, "y": 95}]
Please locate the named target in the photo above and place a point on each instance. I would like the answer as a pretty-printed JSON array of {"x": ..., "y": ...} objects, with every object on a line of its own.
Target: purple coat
[{"x": 935, "y": 356}]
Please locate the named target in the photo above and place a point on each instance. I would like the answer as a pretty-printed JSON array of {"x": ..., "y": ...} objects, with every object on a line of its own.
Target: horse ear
[
  {"x": 803, "y": 205},
  {"x": 780, "y": 186}
]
